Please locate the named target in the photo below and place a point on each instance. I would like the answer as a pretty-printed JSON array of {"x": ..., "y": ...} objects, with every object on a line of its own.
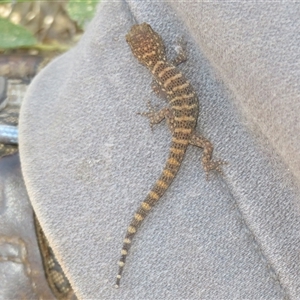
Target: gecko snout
[{"x": 146, "y": 45}]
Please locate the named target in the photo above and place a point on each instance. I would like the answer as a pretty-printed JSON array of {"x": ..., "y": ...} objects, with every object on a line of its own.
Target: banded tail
[{"x": 177, "y": 151}]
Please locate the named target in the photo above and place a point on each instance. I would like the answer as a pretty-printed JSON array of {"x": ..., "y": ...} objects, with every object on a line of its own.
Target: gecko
[{"x": 181, "y": 115}]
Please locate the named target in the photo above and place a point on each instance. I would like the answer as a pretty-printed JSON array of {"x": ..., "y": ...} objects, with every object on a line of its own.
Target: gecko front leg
[{"x": 181, "y": 56}]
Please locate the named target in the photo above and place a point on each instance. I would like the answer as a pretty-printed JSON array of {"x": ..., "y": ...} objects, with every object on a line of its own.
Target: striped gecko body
[{"x": 181, "y": 115}]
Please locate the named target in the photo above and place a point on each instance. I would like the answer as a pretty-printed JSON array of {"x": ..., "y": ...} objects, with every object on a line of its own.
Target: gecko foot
[{"x": 213, "y": 165}]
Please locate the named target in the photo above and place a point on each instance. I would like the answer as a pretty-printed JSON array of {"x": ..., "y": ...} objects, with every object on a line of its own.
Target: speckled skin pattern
[{"x": 181, "y": 115}]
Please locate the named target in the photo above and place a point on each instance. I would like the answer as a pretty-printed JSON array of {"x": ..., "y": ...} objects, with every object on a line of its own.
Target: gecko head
[{"x": 146, "y": 45}]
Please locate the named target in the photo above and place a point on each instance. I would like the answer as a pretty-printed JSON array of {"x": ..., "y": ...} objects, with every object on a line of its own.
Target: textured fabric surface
[{"x": 88, "y": 159}]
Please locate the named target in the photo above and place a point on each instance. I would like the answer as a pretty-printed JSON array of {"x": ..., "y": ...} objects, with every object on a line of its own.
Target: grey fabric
[
  {"x": 21, "y": 270},
  {"x": 88, "y": 159}
]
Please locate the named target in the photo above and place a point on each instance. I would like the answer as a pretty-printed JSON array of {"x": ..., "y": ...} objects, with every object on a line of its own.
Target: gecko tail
[{"x": 172, "y": 166}]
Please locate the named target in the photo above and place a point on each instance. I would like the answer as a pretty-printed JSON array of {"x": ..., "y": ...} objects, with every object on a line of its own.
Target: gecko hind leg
[
  {"x": 156, "y": 117},
  {"x": 207, "y": 162},
  {"x": 159, "y": 90}
]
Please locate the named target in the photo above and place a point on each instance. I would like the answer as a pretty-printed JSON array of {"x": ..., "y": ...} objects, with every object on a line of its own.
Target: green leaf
[
  {"x": 82, "y": 10},
  {"x": 14, "y": 36}
]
